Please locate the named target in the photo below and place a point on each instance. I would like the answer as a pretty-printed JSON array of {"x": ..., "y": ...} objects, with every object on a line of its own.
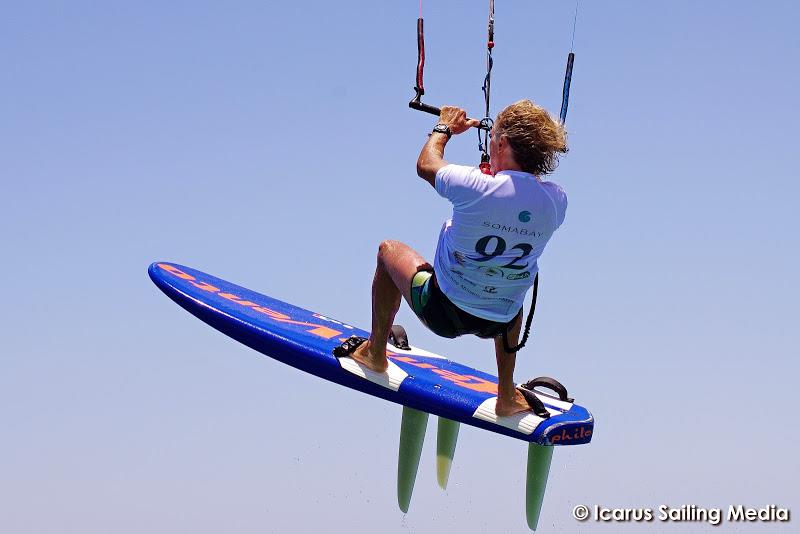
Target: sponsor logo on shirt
[
  {"x": 518, "y": 276},
  {"x": 491, "y": 271},
  {"x": 513, "y": 229},
  {"x": 524, "y": 216},
  {"x": 485, "y": 270}
]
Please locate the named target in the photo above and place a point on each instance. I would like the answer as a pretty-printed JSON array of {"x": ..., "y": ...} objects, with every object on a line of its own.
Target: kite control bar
[
  {"x": 485, "y": 125},
  {"x": 419, "y": 106},
  {"x": 433, "y": 110},
  {"x": 419, "y": 89}
]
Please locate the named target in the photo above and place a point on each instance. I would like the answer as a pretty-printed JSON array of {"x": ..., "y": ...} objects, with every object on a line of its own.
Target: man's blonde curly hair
[{"x": 535, "y": 137}]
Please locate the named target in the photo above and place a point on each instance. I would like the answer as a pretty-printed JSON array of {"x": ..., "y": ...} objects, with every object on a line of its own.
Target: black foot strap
[
  {"x": 348, "y": 347},
  {"x": 551, "y": 384},
  {"x": 534, "y": 402},
  {"x": 399, "y": 338}
]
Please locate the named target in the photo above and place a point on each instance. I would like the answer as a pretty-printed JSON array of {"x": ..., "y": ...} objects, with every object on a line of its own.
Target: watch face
[{"x": 442, "y": 128}]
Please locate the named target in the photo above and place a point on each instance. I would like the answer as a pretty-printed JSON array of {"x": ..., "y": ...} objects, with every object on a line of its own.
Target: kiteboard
[{"x": 423, "y": 382}]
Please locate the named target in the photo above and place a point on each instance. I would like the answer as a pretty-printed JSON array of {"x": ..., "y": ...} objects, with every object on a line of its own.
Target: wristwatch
[{"x": 444, "y": 129}]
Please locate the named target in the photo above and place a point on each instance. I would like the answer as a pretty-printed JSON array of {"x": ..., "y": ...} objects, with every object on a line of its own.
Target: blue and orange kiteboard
[{"x": 423, "y": 382}]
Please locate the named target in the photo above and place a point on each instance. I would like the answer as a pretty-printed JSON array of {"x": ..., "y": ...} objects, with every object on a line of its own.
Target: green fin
[
  {"x": 412, "y": 436},
  {"x": 539, "y": 457},
  {"x": 446, "y": 439}
]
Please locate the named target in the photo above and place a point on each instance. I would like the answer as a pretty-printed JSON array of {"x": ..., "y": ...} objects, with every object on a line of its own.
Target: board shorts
[{"x": 444, "y": 318}]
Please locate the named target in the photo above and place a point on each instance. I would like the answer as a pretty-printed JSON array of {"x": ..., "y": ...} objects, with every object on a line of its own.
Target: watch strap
[{"x": 443, "y": 128}]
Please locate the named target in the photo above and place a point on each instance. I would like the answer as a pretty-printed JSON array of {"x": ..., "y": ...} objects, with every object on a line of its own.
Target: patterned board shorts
[{"x": 443, "y": 317}]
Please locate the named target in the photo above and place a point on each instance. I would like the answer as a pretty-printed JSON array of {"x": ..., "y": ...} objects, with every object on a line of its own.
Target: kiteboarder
[{"x": 486, "y": 256}]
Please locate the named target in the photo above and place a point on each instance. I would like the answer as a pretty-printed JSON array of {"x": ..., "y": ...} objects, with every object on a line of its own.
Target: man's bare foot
[
  {"x": 505, "y": 406},
  {"x": 364, "y": 356}
]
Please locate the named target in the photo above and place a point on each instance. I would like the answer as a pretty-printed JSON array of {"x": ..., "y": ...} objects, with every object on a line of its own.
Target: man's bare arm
[{"x": 431, "y": 158}]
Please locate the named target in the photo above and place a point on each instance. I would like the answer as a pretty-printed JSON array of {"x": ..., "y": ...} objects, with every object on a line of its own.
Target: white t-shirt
[{"x": 486, "y": 255}]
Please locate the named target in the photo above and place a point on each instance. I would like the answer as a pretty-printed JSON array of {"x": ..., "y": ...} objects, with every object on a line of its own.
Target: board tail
[
  {"x": 412, "y": 436},
  {"x": 446, "y": 439}
]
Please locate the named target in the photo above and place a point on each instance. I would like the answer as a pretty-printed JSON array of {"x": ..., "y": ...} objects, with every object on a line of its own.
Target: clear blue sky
[{"x": 270, "y": 144}]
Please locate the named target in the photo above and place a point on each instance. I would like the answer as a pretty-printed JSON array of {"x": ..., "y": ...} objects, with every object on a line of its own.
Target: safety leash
[
  {"x": 528, "y": 321},
  {"x": 486, "y": 122}
]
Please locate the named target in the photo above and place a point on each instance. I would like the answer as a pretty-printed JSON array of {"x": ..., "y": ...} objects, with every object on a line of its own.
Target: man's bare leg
[
  {"x": 509, "y": 400},
  {"x": 397, "y": 265}
]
